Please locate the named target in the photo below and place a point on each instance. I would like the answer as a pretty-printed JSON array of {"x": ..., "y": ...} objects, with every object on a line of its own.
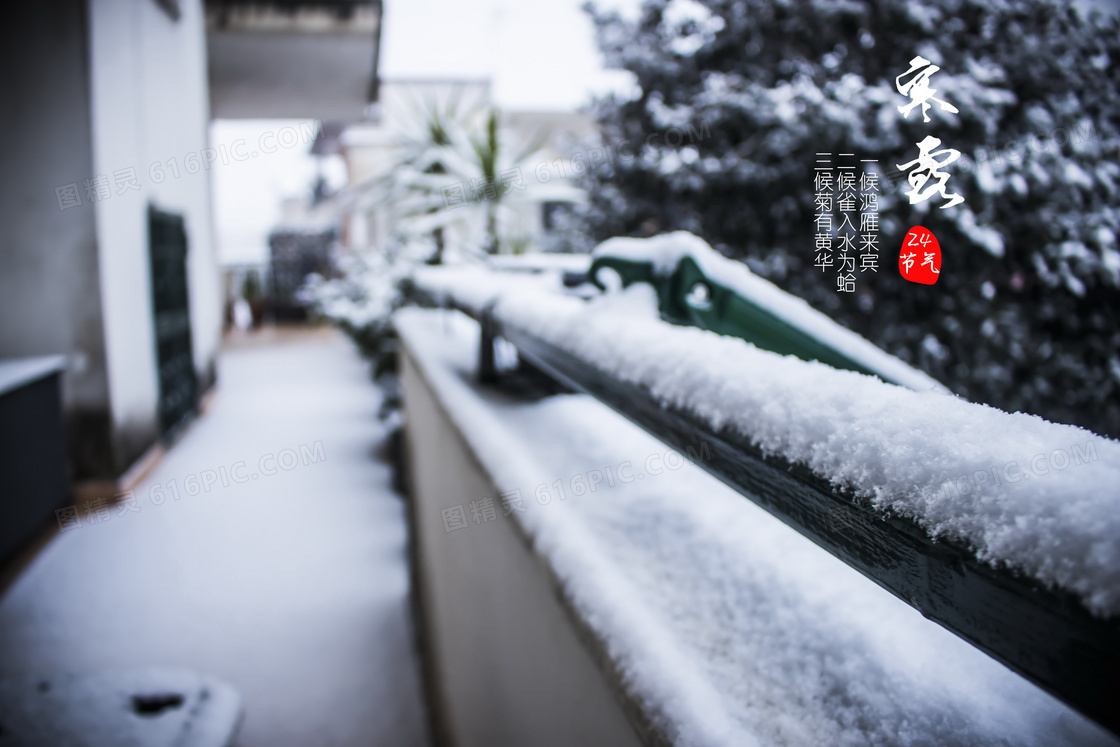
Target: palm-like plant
[
  {"x": 449, "y": 147},
  {"x": 444, "y": 145},
  {"x": 486, "y": 151}
]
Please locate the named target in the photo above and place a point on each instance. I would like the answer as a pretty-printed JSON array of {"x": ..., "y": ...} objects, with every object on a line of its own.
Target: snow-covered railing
[
  {"x": 697, "y": 286},
  {"x": 1003, "y": 528}
]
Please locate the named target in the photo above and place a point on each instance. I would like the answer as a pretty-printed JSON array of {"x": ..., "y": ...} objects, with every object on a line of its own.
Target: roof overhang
[{"x": 293, "y": 60}]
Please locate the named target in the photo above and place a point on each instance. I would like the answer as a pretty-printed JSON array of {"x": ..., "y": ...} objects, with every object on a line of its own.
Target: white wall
[{"x": 149, "y": 106}]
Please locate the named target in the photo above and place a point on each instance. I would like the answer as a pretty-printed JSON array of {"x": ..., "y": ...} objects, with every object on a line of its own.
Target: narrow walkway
[{"x": 290, "y": 586}]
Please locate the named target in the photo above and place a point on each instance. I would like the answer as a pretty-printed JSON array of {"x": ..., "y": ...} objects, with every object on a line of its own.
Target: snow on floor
[
  {"x": 727, "y": 625},
  {"x": 291, "y": 587},
  {"x": 1037, "y": 496}
]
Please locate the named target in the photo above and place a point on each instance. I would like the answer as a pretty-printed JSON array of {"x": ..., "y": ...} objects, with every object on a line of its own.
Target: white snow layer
[
  {"x": 1020, "y": 491},
  {"x": 666, "y": 250},
  {"x": 727, "y": 627}
]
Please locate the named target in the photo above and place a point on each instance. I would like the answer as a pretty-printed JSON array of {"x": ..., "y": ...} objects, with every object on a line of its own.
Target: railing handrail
[{"x": 1045, "y": 635}]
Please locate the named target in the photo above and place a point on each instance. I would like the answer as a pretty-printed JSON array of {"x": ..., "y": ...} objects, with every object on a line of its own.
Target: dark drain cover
[{"x": 156, "y": 703}]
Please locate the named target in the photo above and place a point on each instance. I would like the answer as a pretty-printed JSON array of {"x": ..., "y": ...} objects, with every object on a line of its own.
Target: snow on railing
[
  {"x": 946, "y": 503},
  {"x": 1037, "y": 496},
  {"x": 756, "y": 295}
]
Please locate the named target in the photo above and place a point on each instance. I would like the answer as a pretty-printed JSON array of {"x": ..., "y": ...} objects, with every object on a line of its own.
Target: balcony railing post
[{"x": 487, "y": 368}]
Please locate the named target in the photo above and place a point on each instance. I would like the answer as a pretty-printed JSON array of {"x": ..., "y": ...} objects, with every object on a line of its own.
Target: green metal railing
[{"x": 688, "y": 296}]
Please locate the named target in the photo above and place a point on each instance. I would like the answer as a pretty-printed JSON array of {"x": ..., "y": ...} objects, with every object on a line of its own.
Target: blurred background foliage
[{"x": 1026, "y": 315}]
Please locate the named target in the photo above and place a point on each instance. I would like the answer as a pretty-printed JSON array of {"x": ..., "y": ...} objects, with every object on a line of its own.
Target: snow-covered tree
[{"x": 1026, "y": 314}]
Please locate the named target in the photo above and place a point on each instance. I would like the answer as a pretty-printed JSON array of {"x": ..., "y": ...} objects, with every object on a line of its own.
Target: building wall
[
  {"x": 102, "y": 88},
  {"x": 505, "y": 662},
  {"x": 291, "y": 63},
  {"x": 50, "y": 298},
  {"x": 150, "y": 114}
]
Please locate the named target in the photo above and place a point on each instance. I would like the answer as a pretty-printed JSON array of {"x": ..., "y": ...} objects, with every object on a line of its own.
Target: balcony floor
[{"x": 292, "y": 587}]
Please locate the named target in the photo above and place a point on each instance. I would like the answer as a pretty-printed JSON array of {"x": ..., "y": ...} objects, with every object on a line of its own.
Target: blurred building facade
[
  {"x": 105, "y": 216},
  {"x": 371, "y": 147}
]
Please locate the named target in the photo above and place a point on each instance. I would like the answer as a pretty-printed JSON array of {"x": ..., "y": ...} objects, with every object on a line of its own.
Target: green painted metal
[
  {"x": 688, "y": 296},
  {"x": 178, "y": 386}
]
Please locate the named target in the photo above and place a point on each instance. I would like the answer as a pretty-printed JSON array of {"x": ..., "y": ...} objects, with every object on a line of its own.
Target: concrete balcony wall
[{"x": 505, "y": 660}]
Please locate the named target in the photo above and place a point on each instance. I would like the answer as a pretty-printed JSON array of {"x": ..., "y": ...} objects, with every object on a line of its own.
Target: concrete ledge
[{"x": 511, "y": 662}]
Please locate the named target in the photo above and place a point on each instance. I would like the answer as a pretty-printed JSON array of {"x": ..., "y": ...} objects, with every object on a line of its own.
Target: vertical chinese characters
[
  {"x": 928, "y": 165},
  {"x": 869, "y": 221},
  {"x": 853, "y": 231},
  {"x": 847, "y": 202},
  {"x": 822, "y": 183}
]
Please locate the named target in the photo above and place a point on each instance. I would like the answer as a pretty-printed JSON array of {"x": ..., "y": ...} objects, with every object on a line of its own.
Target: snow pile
[
  {"x": 727, "y": 627},
  {"x": 473, "y": 288},
  {"x": 368, "y": 289},
  {"x": 540, "y": 261},
  {"x": 1019, "y": 490},
  {"x": 666, "y": 251}
]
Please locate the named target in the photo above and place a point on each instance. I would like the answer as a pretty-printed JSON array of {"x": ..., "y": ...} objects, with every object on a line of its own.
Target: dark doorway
[{"x": 178, "y": 387}]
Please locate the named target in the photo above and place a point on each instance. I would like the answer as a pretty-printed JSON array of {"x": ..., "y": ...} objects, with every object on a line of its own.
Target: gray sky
[{"x": 540, "y": 54}]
